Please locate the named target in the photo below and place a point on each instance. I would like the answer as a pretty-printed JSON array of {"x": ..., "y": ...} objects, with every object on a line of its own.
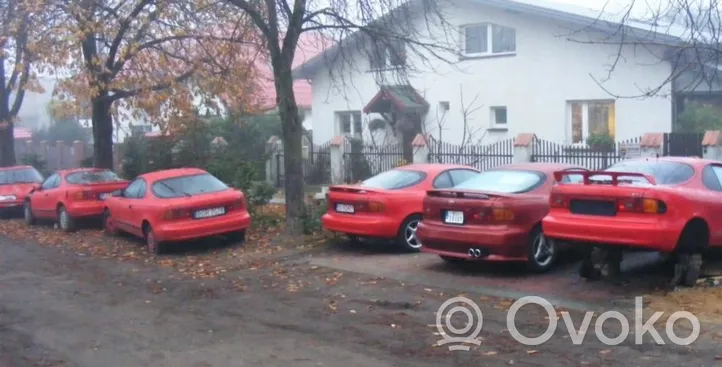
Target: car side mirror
[{"x": 117, "y": 193}]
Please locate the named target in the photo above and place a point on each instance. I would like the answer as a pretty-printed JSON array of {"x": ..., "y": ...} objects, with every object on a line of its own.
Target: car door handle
[{"x": 130, "y": 206}]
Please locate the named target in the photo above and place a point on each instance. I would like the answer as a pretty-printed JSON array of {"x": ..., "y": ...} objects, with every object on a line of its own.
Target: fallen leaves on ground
[
  {"x": 703, "y": 302},
  {"x": 198, "y": 260}
]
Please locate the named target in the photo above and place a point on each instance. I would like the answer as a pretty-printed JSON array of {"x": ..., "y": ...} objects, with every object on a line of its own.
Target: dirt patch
[{"x": 703, "y": 302}]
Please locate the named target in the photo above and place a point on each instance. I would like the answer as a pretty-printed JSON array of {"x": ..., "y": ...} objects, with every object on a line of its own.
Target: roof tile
[
  {"x": 652, "y": 140},
  {"x": 524, "y": 140},
  {"x": 712, "y": 137}
]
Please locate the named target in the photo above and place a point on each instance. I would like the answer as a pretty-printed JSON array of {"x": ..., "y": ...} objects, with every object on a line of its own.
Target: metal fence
[
  {"x": 316, "y": 166},
  {"x": 595, "y": 159},
  {"x": 483, "y": 157},
  {"x": 362, "y": 161}
]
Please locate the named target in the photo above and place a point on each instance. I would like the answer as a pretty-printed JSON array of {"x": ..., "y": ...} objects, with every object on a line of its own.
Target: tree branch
[
  {"x": 125, "y": 93},
  {"x": 124, "y": 27}
]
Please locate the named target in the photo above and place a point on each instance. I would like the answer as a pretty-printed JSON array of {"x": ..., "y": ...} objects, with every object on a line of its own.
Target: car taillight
[
  {"x": 85, "y": 195},
  {"x": 239, "y": 204},
  {"x": 494, "y": 215},
  {"x": 640, "y": 205},
  {"x": 370, "y": 207},
  {"x": 558, "y": 201},
  {"x": 176, "y": 214}
]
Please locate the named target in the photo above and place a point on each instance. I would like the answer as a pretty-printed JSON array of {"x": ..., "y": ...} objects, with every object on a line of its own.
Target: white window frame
[
  {"x": 489, "y": 40},
  {"x": 339, "y": 124},
  {"x": 492, "y": 117},
  {"x": 386, "y": 50},
  {"x": 585, "y": 119}
]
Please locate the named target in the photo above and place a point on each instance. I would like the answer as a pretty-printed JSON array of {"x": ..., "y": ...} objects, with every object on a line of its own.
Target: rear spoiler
[
  {"x": 351, "y": 189},
  {"x": 463, "y": 194},
  {"x": 558, "y": 175}
]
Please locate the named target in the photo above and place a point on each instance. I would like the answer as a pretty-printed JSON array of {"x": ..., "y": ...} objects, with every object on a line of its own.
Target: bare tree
[{"x": 394, "y": 26}]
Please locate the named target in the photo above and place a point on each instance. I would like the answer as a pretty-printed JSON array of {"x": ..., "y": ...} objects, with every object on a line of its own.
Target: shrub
[{"x": 33, "y": 159}]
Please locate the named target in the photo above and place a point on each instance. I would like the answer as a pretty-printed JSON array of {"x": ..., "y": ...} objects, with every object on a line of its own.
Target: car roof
[
  {"x": 433, "y": 168},
  {"x": 171, "y": 173},
  {"x": 14, "y": 167},
  {"x": 65, "y": 172}
]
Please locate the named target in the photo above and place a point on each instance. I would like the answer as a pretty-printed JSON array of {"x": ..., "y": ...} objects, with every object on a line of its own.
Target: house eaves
[{"x": 633, "y": 30}]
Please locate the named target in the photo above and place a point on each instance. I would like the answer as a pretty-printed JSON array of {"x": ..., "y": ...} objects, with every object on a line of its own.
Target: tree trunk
[
  {"x": 7, "y": 135},
  {"x": 102, "y": 132},
  {"x": 292, "y": 151}
]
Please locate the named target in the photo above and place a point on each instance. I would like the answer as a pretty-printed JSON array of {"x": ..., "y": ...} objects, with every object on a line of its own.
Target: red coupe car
[
  {"x": 668, "y": 205},
  {"x": 69, "y": 195},
  {"x": 177, "y": 205},
  {"x": 494, "y": 216},
  {"x": 389, "y": 205},
  {"x": 15, "y": 184}
]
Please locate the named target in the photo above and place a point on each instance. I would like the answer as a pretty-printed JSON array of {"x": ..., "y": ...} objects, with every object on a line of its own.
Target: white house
[{"x": 525, "y": 72}]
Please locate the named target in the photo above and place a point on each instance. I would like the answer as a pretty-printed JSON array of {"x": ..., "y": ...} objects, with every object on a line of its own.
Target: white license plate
[
  {"x": 454, "y": 217},
  {"x": 344, "y": 208},
  {"x": 207, "y": 213}
]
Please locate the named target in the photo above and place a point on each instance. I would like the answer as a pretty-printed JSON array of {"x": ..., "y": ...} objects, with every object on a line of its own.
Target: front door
[{"x": 42, "y": 201}]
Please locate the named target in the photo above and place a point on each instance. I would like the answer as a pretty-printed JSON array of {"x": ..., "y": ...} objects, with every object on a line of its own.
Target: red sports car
[
  {"x": 494, "y": 216},
  {"x": 69, "y": 195},
  {"x": 177, "y": 205},
  {"x": 15, "y": 184},
  {"x": 669, "y": 205},
  {"x": 389, "y": 205}
]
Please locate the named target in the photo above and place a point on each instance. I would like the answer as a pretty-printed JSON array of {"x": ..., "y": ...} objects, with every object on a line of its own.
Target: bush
[
  {"x": 32, "y": 159},
  {"x": 698, "y": 118},
  {"x": 312, "y": 217}
]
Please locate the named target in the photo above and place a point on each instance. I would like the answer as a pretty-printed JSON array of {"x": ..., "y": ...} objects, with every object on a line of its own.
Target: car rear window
[
  {"x": 664, "y": 172},
  {"x": 20, "y": 175},
  {"x": 504, "y": 181},
  {"x": 188, "y": 186},
  {"x": 90, "y": 177},
  {"x": 395, "y": 179}
]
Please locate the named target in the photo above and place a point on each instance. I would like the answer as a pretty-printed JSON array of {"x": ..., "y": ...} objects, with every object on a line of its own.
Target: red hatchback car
[
  {"x": 15, "y": 184},
  {"x": 389, "y": 205},
  {"x": 670, "y": 205},
  {"x": 69, "y": 195},
  {"x": 494, "y": 216},
  {"x": 177, "y": 205}
]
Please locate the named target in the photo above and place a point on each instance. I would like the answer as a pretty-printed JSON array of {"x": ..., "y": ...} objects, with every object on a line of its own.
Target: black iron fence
[
  {"x": 362, "y": 161},
  {"x": 596, "y": 158},
  {"x": 683, "y": 144},
  {"x": 316, "y": 167},
  {"x": 483, "y": 157}
]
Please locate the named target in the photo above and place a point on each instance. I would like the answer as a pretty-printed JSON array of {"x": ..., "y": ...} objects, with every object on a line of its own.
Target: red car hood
[{"x": 19, "y": 190}]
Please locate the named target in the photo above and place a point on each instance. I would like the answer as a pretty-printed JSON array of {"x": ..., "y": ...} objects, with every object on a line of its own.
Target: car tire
[
  {"x": 28, "y": 213},
  {"x": 65, "y": 221},
  {"x": 109, "y": 226},
  {"x": 155, "y": 247},
  {"x": 542, "y": 252},
  {"x": 237, "y": 236},
  {"x": 407, "y": 234},
  {"x": 452, "y": 260}
]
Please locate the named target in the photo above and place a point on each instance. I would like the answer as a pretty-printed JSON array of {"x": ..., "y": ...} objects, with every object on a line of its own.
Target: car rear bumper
[
  {"x": 360, "y": 225},
  {"x": 499, "y": 243},
  {"x": 82, "y": 209},
  {"x": 194, "y": 229},
  {"x": 650, "y": 235}
]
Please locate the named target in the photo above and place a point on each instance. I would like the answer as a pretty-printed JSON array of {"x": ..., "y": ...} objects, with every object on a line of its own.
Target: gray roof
[{"x": 573, "y": 15}]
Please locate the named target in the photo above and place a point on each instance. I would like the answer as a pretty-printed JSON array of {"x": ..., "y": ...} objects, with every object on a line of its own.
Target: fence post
[
  {"x": 651, "y": 144},
  {"x": 523, "y": 148},
  {"x": 271, "y": 161},
  {"x": 420, "y": 149},
  {"x": 336, "y": 150},
  {"x": 78, "y": 153},
  {"x": 711, "y": 145}
]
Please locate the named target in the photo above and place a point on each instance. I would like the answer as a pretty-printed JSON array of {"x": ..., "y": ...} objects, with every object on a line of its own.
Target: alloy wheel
[
  {"x": 543, "y": 250},
  {"x": 410, "y": 234}
]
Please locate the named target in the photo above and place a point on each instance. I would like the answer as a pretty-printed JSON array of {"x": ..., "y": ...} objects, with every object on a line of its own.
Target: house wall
[{"x": 547, "y": 71}]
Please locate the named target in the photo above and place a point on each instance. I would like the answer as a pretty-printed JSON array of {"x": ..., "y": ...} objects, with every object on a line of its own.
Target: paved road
[{"x": 61, "y": 309}]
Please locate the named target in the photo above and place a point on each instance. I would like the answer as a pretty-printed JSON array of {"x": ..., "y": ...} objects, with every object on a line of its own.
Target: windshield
[
  {"x": 503, "y": 181},
  {"x": 20, "y": 175},
  {"x": 188, "y": 186},
  {"x": 395, "y": 179},
  {"x": 664, "y": 172},
  {"x": 90, "y": 177}
]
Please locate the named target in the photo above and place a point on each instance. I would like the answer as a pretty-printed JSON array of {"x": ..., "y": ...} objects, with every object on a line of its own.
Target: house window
[
  {"x": 389, "y": 54},
  {"x": 349, "y": 123},
  {"x": 489, "y": 39},
  {"x": 498, "y": 116},
  {"x": 591, "y": 117}
]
